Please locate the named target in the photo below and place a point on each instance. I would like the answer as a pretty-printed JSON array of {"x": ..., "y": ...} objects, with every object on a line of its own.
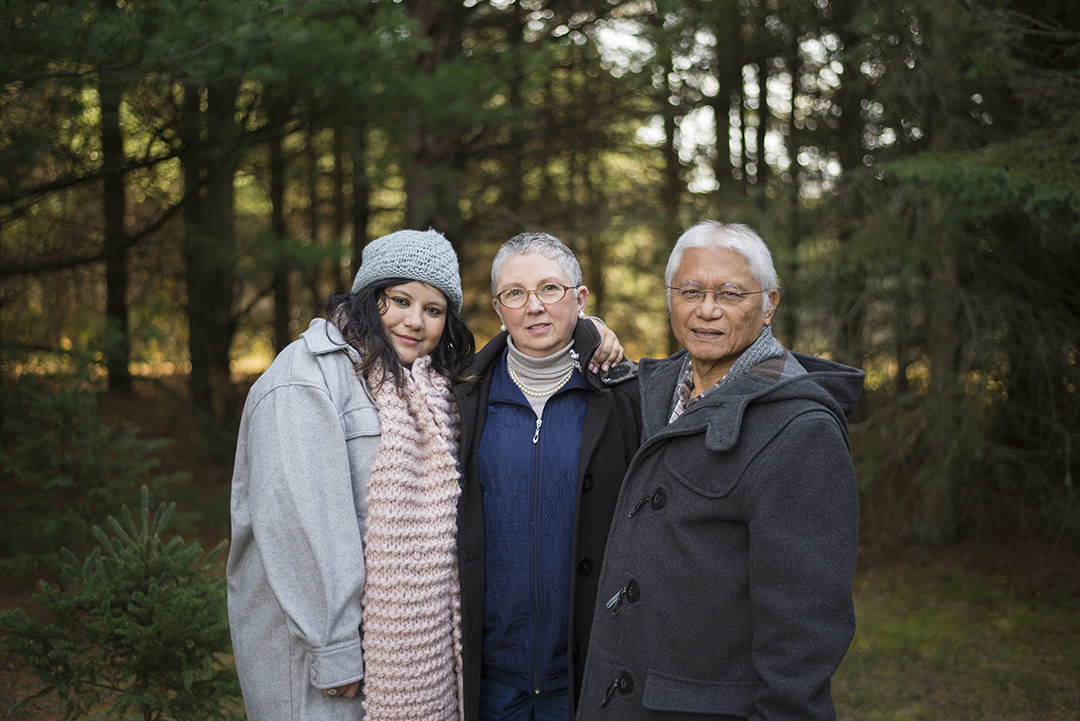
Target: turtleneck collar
[
  {"x": 546, "y": 372},
  {"x": 539, "y": 371}
]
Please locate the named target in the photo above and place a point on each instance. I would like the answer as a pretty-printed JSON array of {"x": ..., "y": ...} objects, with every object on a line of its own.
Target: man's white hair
[{"x": 736, "y": 237}]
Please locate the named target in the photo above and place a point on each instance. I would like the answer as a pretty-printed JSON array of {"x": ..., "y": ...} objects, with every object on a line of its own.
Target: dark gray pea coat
[{"x": 726, "y": 588}]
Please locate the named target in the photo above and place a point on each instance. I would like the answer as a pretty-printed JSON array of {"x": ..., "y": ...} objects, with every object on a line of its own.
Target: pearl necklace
[{"x": 540, "y": 392}]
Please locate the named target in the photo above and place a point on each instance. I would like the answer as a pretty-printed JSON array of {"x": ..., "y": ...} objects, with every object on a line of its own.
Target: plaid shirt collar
[{"x": 681, "y": 400}]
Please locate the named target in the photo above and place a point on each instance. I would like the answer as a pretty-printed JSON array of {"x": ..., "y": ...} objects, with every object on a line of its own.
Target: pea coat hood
[{"x": 835, "y": 386}]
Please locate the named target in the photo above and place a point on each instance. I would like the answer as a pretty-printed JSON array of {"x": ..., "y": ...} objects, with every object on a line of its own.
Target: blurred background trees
[{"x": 182, "y": 183}]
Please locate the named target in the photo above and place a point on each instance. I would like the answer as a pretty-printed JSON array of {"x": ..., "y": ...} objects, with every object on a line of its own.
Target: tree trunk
[
  {"x": 337, "y": 210},
  {"x": 901, "y": 334},
  {"x": 761, "y": 177},
  {"x": 431, "y": 179},
  {"x": 280, "y": 282},
  {"x": 851, "y": 272},
  {"x": 671, "y": 190},
  {"x": 210, "y": 165},
  {"x": 947, "y": 102},
  {"x": 117, "y": 349},
  {"x": 433, "y": 162},
  {"x": 313, "y": 217},
  {"x": 591, "y": 245},
  {"x": 746, "y": 157},
  {"x": 730, "y": 95},
  {"x": 938, "y": 524},
  {"x": 789, "y": 260},
  {"x": 361, "y": 198}
]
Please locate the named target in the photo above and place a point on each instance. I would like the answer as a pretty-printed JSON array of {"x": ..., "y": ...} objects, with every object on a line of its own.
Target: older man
[{"x": 726, "y": 590}]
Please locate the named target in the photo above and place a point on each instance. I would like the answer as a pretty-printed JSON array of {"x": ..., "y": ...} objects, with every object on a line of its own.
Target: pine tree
[{"x": 136, "y": 630}]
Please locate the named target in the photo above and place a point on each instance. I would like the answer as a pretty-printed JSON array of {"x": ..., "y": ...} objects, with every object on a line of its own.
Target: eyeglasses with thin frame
[
  {"x": 729, "y": 296},
  {"x": 546, "y": 293}
]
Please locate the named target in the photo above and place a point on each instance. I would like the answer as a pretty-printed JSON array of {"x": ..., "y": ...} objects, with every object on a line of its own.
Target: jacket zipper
[{"x": 536, "y": 557}]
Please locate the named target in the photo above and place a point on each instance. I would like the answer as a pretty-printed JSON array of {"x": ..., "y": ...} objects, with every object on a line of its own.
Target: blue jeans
[{"x": 500, "y": 702}]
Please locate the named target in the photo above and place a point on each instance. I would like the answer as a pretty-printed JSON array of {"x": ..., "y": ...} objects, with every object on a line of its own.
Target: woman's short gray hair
[
  {"x": 733, "y": 236},
  {"x": 543, "y": 244}
]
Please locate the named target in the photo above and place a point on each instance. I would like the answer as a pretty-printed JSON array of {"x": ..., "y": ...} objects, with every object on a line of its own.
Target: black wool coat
[{"x": 610, "y": 437}]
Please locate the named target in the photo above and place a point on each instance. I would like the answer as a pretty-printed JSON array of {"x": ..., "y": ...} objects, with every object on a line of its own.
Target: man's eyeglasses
[
  {"x": 726, "y": 297},
  {"x": 547, "y": 293}
]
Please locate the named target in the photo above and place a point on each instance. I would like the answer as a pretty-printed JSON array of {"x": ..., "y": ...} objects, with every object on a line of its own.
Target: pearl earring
[
  {"x": 502, "y": 327},
  {"x": 581, "y": 314}
]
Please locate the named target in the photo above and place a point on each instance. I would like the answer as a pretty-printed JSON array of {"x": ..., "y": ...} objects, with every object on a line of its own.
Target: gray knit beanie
[{"x": 426, "y": 256}]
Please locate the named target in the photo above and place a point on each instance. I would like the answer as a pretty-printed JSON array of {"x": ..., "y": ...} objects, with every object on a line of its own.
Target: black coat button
[
  {"x": 626, "y": 683},
  {"x": 584, "y": 567},
  {"x": 633, "y": 591},
  {"x": 587, "y": 482},
  {"x": 659, "y": 499}
]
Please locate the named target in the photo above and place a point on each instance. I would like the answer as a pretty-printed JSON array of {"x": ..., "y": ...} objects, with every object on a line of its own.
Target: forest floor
[{"x": 981, "y": 630}]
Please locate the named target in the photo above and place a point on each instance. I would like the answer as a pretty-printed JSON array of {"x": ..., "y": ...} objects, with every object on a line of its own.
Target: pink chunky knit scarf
[{"x": 411, "y": 625}]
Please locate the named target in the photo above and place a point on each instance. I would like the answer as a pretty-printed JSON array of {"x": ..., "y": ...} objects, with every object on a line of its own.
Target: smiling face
[
  {"x": 714, "y": 336},
  {"x": 539, "y": 329},
  {"x": 414, "y": 318}
]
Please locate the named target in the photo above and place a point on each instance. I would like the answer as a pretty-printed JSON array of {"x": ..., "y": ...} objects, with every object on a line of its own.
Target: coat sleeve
[
  {"x": 304, "y": 518},
  {"x": 803, "y": 526}
]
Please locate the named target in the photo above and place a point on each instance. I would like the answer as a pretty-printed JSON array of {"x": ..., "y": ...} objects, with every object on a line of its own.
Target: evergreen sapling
[{"x": 138, "y": 629}]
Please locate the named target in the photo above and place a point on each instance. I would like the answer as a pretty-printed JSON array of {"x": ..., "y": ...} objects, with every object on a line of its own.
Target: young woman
[{"x": 342, "y": 566}]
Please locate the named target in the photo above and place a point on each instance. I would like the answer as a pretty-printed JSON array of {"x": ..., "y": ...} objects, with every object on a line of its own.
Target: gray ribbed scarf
[{"x": 761, "y": 350}]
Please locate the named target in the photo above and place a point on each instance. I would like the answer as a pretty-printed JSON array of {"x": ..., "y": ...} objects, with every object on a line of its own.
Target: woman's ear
[
  {"x": 582, "y": 297},
  {"x": 498, "y": 311}
]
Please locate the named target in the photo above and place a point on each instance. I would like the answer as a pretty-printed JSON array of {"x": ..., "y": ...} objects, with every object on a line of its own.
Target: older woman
[
  {"x": 544, "y": 448},
  {"x": 726, "y": 590}
]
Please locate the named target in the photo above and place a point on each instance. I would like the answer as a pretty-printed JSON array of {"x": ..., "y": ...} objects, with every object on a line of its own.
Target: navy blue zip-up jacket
[
  {"x": 610, "y": 433},
  {"x": 528, "y": 475}
]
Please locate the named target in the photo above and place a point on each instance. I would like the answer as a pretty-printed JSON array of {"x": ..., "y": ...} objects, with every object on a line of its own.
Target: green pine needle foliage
[
  {"x": 63, "y": 471},
  {"x": 138, "y": 629}
]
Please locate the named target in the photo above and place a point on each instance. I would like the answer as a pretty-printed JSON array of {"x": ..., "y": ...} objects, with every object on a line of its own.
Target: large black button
[
  {"x": 659, "y": 499},
  {"x": 587, "y": 482},
  {"x": 584, "y": 567},
  {"x": 633, "y": 591}
]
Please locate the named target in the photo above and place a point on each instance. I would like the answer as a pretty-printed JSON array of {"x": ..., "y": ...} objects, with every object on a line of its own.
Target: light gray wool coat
[
  {"x": 726, "y": 588},
  {"x": 307, "y": 441}
]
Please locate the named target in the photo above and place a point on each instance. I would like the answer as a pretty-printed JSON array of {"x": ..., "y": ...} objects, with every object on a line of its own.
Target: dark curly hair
[{"x": 359, "y": 316}]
